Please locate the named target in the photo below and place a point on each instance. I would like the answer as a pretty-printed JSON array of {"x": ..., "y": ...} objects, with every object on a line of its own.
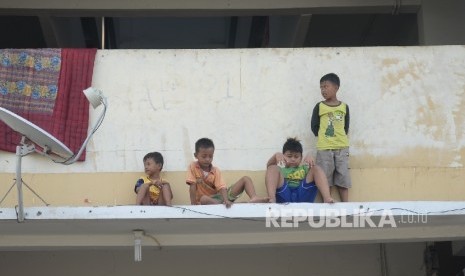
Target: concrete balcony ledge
[{"x": 242, "y": 225}]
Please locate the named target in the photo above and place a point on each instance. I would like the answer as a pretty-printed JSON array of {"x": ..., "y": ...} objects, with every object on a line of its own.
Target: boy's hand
[
  {"x": 157, "y": 183},
  {"x": 227, "y": 203},
  {"x": 280, "y": 159},
  {"x": 308, "y": 160},
  {"x": 224, "y": 195}
]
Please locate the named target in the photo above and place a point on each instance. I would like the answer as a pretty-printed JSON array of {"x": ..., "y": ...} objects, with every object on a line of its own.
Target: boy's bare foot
[
  {"x": 272, "y": 200},
  {"x": 329, "y": 200},
  {"x": 257, "y": 199}
]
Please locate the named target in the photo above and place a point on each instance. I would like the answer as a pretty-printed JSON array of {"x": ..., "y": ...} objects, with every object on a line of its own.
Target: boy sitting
[
  {"x": 288, "y": 179},
  {"x": 206, "y": 182},
  {"x": 151, "y": 189}
]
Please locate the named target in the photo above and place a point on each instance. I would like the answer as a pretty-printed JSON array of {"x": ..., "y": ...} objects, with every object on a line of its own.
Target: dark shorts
[{"x": 305, "y": 192}]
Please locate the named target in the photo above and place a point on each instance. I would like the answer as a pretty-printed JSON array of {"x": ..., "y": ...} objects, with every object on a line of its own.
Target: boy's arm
[
  {"x": 159, "y": 183},
  {"x": 224, "y": 195},
  {"x": 192, "y": 182},
  {"x": 193, "y": 193},
  {"x": 315, "y": 122},
  {"x": 308, "y": 160},
  {"x": 276, "y": 159},
  {"x": 347, "y": 120}
]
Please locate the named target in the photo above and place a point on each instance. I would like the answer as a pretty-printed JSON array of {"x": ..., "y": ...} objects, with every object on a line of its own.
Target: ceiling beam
[{"x": 201, "y": 7}]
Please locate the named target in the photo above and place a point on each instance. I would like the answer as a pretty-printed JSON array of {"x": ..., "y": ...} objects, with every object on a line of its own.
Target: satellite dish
[
  {"x": 35, "y": 134},
  {"x": 51, "y": 147}
]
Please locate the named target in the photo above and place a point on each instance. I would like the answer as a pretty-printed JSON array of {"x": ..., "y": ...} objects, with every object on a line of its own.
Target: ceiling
[{"x": 207, "y": 32}]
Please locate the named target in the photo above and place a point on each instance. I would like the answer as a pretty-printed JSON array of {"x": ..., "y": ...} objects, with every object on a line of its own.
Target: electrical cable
[{"x": 368, "y": 211}]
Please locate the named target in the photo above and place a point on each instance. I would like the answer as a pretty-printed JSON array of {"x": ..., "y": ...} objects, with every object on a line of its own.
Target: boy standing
[
  {"x": 206, "y": 182},
  {"x": 330, "y": 123},
  {"x": 151, "y": 189},
  {"x": 289, "y": 179}
]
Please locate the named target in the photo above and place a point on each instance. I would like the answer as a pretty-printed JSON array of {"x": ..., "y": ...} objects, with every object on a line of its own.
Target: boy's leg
[
  {"x": 317, "y": 175},
  {"x": 165, "y": 195},
  {"x": 206, "y": 200},
  {"x": 143, "y": 197},
  {"x": 246, "y": 183},
  {"x": 343, "y": 193},
  {"x": 342, "y": 174},
  {"x": 273, "y": 181}
]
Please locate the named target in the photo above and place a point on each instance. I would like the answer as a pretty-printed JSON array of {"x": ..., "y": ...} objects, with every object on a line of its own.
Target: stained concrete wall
[{"x": 407, "y": 126}]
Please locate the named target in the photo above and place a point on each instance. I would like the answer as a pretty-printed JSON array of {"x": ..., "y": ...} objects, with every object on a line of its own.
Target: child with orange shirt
[{"x": 206, "y": 184}]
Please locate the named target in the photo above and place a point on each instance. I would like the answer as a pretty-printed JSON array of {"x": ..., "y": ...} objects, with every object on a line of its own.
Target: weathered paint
[{"x": 406, "y": 115}]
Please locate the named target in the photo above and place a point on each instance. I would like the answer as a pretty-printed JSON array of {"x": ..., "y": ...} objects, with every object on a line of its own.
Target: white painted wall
[{"x": 403, "y": 101}]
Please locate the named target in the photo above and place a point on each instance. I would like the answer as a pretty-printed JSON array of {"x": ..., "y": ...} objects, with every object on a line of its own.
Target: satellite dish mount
[
  {"x": 33, "y": 136},
  {"x": 24, "y": 148}
]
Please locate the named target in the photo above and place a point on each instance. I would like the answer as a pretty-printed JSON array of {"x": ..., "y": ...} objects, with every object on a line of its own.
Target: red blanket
[{"x": 45, "y": 87}]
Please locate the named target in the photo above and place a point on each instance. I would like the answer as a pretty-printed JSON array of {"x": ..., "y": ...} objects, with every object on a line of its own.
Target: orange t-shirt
[{"x": 208, "y": 183}]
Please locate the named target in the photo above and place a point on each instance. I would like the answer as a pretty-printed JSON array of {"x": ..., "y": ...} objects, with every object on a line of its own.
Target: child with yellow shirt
[
  {"x": 330, "y": 123},
  {"x": 152, "y": 189}
]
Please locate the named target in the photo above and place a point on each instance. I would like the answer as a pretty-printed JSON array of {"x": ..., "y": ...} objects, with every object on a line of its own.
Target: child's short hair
[
  {"x": 204, "y": 143},
  {"x": 156, "y": 156},
  {"x": 292, "y": 144},
  {"x": 331, "y": 77}
]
